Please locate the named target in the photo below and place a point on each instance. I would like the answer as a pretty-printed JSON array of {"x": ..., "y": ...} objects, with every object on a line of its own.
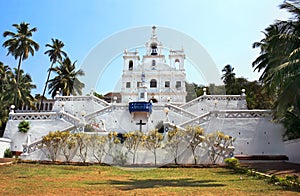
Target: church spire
[{"x": 154, "y": 32}]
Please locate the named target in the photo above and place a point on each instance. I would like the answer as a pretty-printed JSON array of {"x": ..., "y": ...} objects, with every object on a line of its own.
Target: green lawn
[{"x": 37, "y": 179}]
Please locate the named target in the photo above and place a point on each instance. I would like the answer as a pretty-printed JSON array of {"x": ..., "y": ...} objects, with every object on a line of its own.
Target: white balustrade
[{"x": 213, "y": 98}]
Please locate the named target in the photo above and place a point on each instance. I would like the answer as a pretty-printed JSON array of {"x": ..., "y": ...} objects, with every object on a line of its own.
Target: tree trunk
[
  {"x": 133, "y": 159},
  {"x": 195, "y": 160},
  {"x": 17, "y": 82},
  {"x": 44, "y": 91},
  {"x": 154, "y": 157}
]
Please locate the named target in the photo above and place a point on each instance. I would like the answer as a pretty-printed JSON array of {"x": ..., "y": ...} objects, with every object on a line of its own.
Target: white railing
[
  {"x": 212, "y": 98},
  {"x": 104, "y": 110},
  {"x": 180, "y": 111},
  {"x": 44, "y": 116},
  {"x": 33, "y": 116},
  {"x": 107, "y": 109},
  {"x": 82, "y": 98},
  {"x": 69, "y": 118},
  {"x": 242, "y": 113},
  {"x": 197, "y": 120},
  {"x": 99, "y": 101},
  {"x": 226, "y": 114},
  {"x": 46, "y": 107}
]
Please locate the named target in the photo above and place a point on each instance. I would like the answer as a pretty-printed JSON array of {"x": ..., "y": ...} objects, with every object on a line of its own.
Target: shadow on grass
[{"x": 156, "y": 183}]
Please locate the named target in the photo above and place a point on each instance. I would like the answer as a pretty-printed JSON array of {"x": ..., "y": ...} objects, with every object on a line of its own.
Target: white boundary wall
[
  {"x": 4, "y": 144},
  {"x": 292, "y": 150}
]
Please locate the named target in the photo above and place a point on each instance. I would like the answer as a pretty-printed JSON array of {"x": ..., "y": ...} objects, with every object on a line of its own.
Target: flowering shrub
[
  {"x": 219, "y": 145},
  {"x": 194, "y": 136},
  {"x": 132, "y": 142},
  {"x": 118, "y": 146},
  {"x": 152, "y": 141},
  {"x": 174, "y": 142}
]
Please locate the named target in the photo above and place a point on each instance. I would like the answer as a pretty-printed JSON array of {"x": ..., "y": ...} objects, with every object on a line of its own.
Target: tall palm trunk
[
  {"x": 44, "y": 91},
  {"x": 17, "y": 82}
]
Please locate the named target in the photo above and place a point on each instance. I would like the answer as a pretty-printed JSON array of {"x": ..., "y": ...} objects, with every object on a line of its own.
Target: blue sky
[{"x": 226, "y": 29}]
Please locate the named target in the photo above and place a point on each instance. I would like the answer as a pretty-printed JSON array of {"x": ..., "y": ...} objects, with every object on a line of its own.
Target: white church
[{"x": 152, "y": 92}]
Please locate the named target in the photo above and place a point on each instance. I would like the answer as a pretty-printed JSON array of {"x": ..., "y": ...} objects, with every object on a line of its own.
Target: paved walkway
[
  {"x": 6, "y": 161},
  {"x": 277, "y": 168}
]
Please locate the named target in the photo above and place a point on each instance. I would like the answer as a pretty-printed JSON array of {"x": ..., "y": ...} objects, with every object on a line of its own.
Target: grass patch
[{"x": 38, "y": 179}]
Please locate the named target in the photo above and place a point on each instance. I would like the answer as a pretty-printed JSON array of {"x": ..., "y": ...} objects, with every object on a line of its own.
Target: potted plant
[{"x": 24, "y": 126}]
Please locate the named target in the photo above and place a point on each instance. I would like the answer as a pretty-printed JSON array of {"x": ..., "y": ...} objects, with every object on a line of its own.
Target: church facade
[
  {"x": 153, "y": 92},
  {"x": 163, "y": 81}
]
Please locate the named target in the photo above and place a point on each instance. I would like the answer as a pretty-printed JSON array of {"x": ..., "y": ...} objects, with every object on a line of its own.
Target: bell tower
[
  {"x": 154, "y": 47},
  {"x": 131, "y": 60},
  {"x": 177, "y": 59}
]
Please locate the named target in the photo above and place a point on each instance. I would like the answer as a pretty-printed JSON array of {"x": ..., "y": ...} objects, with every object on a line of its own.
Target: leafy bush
[
  {"x": 24, "y": 126},
  {"x": 232, "y": 162},
  {"x": 8, "y": 153}
]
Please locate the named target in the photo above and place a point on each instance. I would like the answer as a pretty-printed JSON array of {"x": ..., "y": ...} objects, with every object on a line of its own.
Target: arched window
[
  {"x": 130, "y": 65},
  {"x": 176, "y": 64},
  {"x": 153, "y": 83}
]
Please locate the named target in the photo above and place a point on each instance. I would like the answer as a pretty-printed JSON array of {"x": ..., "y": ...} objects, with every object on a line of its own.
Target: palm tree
[
  {"x": 228, "y": 78},
  {"x": 7, "y": 92},
  {"x": 56, "y": 54},
  {"x": 20, "y": 45},
  {"x": 5, "y": 74},
  {"x": 280, "y": 61},
  {"x": 23, "y": 91},
  {"x": 66, "y": 79}
]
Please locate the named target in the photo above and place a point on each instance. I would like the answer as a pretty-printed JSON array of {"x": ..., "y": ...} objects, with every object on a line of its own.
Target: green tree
[
  {"x": 257, "y": 98},
  {"x": 23, "y": 93},
  {"x": 216, "y": 90},
  {"x": 55, "y": 54},
  {"x": 190, "y": 89},
  {"x": 20, "y": 46},
  {"x": 5, "y": 75},
  {"x": 228, "y": 78},
  {"x": 279, "y": 61},
  {"x": 67, "y": 79}
]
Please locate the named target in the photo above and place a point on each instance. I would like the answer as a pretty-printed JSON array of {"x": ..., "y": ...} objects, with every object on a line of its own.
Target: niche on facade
[{"x": 130, "y": 66}]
